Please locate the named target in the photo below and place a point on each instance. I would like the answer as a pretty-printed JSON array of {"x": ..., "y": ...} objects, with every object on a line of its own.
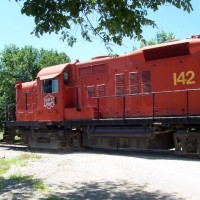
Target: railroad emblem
[{"x": 49, "y": 101}]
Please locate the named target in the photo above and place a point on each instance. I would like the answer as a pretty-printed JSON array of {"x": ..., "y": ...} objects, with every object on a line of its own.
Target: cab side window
[
  {"x": 55, "y": 85},
  {"x": 50, "y": 86},
  {"x": 66, "y": 76}
]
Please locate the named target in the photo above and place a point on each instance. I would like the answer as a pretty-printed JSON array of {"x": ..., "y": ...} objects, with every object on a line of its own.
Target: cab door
[{"x": 50, "y": 107}]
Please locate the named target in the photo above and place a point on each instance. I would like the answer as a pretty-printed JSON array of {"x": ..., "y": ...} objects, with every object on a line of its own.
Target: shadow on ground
[
  {"x": 19, "y": 187},
  {"x": 145, "y": 154},
  {"x": 119, "y": 190}
]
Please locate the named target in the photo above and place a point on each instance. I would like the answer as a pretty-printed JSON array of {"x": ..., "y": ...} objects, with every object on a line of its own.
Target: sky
[{"x": 16, "y": 28}]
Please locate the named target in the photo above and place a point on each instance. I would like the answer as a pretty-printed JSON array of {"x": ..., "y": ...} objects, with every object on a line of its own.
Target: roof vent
[{"x": 167, "y": 51}]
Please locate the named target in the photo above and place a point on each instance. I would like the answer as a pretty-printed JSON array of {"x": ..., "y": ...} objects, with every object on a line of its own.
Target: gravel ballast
[{"x": 105, "y": 175}]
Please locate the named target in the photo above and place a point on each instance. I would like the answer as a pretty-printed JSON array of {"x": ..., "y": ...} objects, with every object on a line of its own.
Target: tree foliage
[
  {"x": 22, "y": 64},
  {"x": 111, "y": 20},
  {"x": 161, "y": 36}
]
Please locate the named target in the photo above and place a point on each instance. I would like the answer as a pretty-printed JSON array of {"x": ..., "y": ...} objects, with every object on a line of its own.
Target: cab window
[
  {"x": 55, "y": 85},
  {"x": 66, "y": 77},
  {"x": 50, "y": 86}
]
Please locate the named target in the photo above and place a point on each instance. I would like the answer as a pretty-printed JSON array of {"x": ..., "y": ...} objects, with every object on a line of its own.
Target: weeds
[
  {"x": 1, "y": 136},
  {"x": 5, "y": 164},
  {"x": 4, "y": 167},
  {"x": 19, "y": 180},
  {"x": 17, "y": 138},
  {"x": 34, "y": 184}
]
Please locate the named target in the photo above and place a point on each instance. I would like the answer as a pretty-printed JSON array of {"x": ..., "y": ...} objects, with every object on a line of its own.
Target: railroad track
[
  {"x": 146, "y": 154},
  {"x": 13, "y": 146}
]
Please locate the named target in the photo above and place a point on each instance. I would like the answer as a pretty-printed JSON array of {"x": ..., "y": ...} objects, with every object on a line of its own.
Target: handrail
[{"x": 142, "y": 94}]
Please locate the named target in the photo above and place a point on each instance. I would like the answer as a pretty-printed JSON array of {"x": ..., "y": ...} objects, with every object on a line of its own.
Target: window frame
[{"x": 54, "y": 87}]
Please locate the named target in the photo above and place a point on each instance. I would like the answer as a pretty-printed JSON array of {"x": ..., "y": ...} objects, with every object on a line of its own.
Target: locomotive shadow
[{"x": 144, "y": 154}]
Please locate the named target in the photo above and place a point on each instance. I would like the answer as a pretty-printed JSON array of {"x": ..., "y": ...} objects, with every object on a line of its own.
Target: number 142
[{"x": 184, "y": 78}]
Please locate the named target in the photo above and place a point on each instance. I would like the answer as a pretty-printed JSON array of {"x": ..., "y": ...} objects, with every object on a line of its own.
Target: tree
[
  {"x": 161, "y": 36},
  {"x": 22, "y": 64},
  {"x": 111, "y": 20}
]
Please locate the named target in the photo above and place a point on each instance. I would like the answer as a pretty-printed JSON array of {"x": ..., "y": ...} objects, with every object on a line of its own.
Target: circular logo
[{"x": 49, "y": 101}]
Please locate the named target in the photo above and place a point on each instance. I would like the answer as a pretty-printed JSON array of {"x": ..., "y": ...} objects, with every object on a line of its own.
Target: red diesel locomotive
[{"x": 147, "y": 99}]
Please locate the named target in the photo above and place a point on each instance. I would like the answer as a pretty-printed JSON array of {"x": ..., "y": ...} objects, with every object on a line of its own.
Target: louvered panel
[
  {"x": 146, "y": 82},
  {"x": 91, "y": 91},
  {"x": 119, "y": 79},
  {"x": 133, "y": 81},
  {"x": 119, "y": 84},
  {"x": 101, "y": 90},
  {"x": 146, "y": 88}
]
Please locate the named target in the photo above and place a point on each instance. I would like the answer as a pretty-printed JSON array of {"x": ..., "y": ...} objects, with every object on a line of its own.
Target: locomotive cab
[
  {"x": 42, "y": 105},
  {"x": 45, "y": 98},
  {"x": 53, "y": 95}
]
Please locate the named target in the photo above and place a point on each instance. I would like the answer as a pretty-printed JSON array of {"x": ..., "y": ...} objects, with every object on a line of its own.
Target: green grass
[
  {"x": 34, "y": 184},
  {"x": 17, "y": 138},
  {"x": 5, "y": 164},
  {"x": 1, "y": 135},
  {"x": 20, "y": 180}
]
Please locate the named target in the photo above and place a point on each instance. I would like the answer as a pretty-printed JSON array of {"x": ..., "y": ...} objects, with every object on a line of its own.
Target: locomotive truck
[{"x": 146, "y": 99}]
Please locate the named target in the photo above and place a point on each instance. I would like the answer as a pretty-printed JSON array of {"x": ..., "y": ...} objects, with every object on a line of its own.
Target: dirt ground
[{"x": 104, "y": 175}]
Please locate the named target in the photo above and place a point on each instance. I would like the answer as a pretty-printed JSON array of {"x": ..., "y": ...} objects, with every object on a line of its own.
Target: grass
[
  {"x": 1, "y": 135},
  {"x": 17, "y": 138},
  {"x": 5, "y": 164},
  {"x": 19, "y": 180},
  {"x": 34, "y": 184}
]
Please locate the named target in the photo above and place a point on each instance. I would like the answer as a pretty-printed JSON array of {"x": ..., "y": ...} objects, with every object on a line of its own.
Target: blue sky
[{"x": 15, "y": 29}]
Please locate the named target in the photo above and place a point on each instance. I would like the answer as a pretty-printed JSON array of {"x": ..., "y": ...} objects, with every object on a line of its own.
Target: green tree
[
  {"x": 161, "y": 36},
  {"x": 22, "y": 64},
  {"x": 48, "y": 58},
  {"x": 111, "y": 20}
]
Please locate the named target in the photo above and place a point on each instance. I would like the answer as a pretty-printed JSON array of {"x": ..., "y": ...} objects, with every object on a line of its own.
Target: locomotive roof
[
  {"x": 52, "y": 71},
  {"x": 155, "y": 52}
]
